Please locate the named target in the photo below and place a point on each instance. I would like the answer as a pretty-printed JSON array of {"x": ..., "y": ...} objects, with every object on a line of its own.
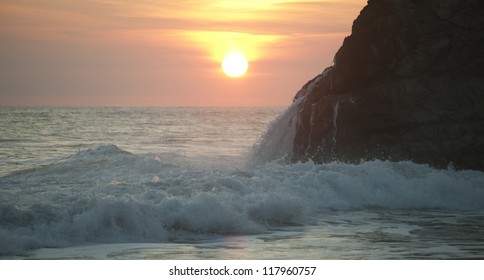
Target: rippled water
[{"x": 40, "y": 135}]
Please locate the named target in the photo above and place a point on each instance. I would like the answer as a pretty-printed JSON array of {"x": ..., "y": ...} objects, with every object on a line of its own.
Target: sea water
[{"x": 213, "y": 183}]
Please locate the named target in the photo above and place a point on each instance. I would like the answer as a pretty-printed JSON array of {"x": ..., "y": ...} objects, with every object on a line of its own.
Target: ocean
[{"x": 215, "y": 183}]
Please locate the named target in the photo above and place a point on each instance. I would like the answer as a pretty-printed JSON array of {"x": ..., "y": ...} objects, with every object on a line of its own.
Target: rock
[{"x": 407, "y": 84}]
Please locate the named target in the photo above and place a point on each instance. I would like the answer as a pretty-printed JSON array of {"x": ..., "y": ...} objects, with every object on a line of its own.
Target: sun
[{"x": 235, "y": 65}]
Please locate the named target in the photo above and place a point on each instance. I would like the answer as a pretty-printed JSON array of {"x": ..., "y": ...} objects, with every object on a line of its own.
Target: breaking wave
[{"x": 108, "y": 195}]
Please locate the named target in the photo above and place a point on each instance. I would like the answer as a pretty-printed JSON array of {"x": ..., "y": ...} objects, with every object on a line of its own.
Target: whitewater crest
[
  {"x": 108, "y": 195},
  {"x": 276, "y": 144}
]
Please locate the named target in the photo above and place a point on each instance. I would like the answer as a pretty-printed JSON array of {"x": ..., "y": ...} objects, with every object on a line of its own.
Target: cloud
[
  {"x": 95, "y": 17},
  {"x": 105, "y": 50},
  {"x": 220, "y": 43}
]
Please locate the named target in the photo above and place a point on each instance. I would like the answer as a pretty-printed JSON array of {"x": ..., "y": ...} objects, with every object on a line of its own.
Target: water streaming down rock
[
  {"x": 407, "y": 84},
  {"x": 335, "y": 126}
]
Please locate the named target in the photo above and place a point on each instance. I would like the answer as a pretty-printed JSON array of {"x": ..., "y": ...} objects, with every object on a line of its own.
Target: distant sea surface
[{"x": 193, "y": 183}]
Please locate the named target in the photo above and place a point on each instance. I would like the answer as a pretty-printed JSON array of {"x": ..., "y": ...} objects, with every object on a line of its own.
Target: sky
[{"x": 165, "y": 52}]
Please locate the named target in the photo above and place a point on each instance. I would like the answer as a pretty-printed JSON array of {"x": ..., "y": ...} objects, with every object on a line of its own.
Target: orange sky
[{"x": 165, "y": 53}]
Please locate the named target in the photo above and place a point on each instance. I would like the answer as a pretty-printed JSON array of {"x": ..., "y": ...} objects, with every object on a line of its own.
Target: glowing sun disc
[{"x": 235, "y": 65}]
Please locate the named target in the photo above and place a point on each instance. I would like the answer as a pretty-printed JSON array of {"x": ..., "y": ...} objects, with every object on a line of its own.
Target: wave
[
  {"x": 108, "y": 195},
  {"x": 275, "y": 145}
]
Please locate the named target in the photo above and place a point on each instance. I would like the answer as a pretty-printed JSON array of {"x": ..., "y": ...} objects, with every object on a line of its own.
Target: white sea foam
[{"x": 107, "y": 195}]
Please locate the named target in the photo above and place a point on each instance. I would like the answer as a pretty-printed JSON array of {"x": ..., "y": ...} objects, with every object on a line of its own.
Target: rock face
[{"x": 407, "y": 84}]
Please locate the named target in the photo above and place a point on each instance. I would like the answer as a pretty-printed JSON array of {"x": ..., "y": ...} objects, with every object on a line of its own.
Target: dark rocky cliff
[{"x": 407, "y": 84}]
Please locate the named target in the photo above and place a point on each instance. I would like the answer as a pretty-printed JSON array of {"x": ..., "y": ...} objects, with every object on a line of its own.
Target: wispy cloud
[
  {"x": 272, "y": 17},
  {"x": 120, "y": 46}
]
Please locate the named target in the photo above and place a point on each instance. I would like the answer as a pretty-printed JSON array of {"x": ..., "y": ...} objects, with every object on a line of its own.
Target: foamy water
[{"x": 183, "y": 183}]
